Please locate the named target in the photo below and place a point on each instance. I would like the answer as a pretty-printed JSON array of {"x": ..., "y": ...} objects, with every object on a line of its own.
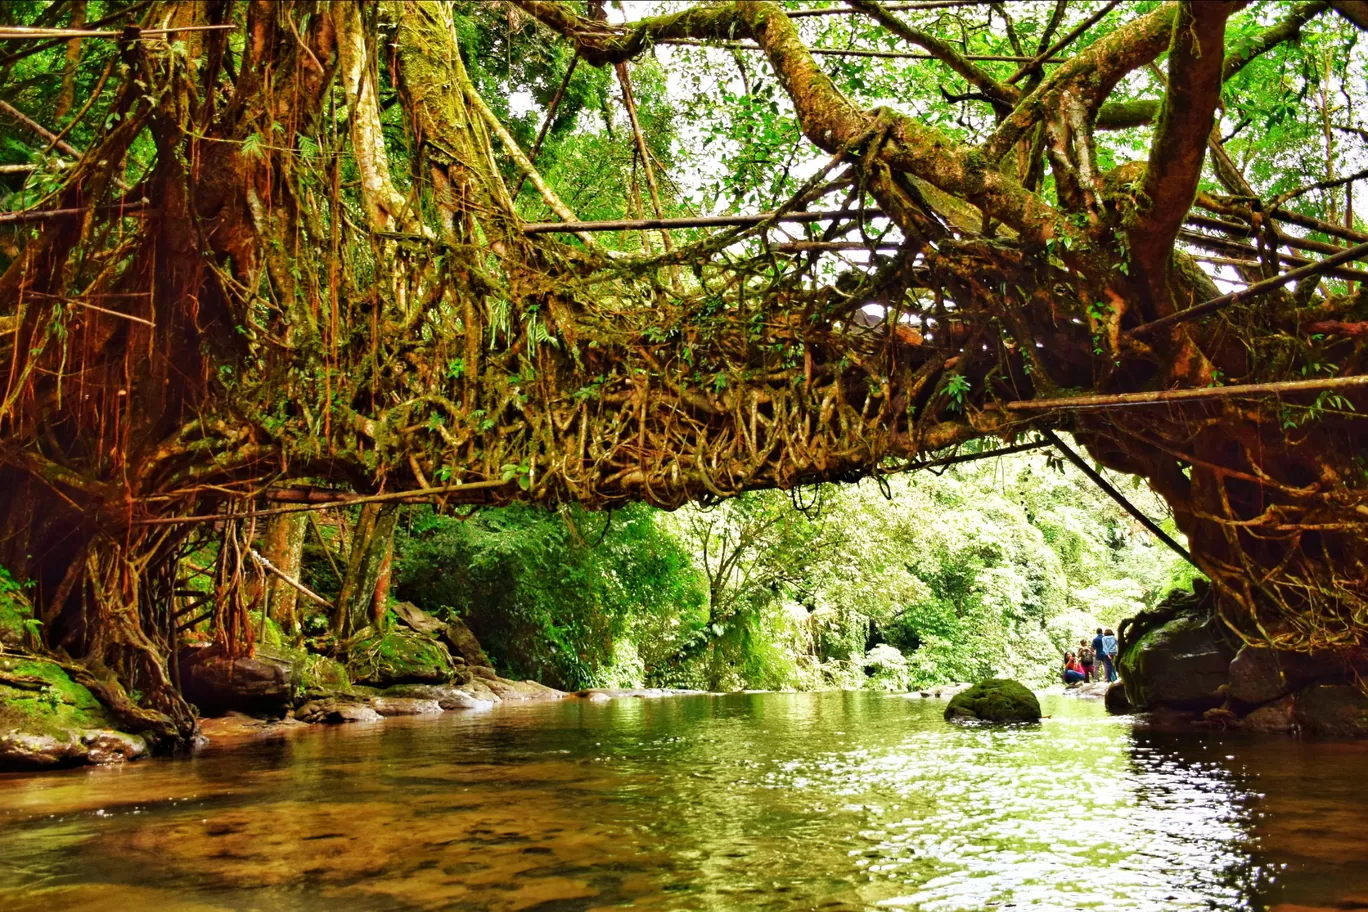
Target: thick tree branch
[
  {"x": 1000, "y": 95},
  {"x": 1180, "y": 141},
  {"x": 1090, "y": 76}
]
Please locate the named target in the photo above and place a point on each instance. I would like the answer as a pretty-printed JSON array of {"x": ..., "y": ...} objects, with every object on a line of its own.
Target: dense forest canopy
[{"x": 261, "y": 255}]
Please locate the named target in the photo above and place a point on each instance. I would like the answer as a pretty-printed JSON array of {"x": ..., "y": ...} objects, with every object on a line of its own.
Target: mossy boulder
[
  {"x": 322, "y": 677},
  {"x": 1177, "y": 657},
  {"x": 995, "y": 700},
  {"x": 47, "y": 719},
  {"x": 400, "y": 656}
]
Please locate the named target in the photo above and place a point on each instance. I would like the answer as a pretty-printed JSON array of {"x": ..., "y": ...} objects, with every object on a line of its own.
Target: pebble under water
[{"x": 830, "y": 801}]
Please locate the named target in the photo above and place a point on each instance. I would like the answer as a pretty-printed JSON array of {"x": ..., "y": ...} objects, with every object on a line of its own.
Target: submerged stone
[{"x": 995, "y": 700}]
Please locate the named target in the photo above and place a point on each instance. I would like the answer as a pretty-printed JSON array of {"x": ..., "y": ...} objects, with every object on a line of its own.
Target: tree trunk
[
  {"x": 370, "y": 542},
  {"x": 284, "y": 547}
]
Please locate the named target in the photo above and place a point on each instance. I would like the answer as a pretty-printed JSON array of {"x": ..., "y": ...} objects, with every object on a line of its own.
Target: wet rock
[
  {"x": 108, "y": 746},
  {"x": 484, "y": 672},
  {"x": 1339, "y": 710},
  {"x": 335, "y": 712},
  {"x": 995, "y": 700},
  {"x": 404, "y": 706},
  {"x": 462, "y": 643},
  {"x": 262, "y": 683},
  {"x": 1276, "y": 716},
  {"x": 944, "y": 691},
  {"x": 446, "y": 696},
  {"x": 1177, "y": 657},
  {"x": 1260, "y": 675},
  {"x": 401, "y": 656},
  {"x": 525, "y": 691},
  {"x": 47, "y": 720},
  {"x": 1116, "y": 701},
  {"x": 1097, "y": 690},
  {"x": 479, "y": 689}
]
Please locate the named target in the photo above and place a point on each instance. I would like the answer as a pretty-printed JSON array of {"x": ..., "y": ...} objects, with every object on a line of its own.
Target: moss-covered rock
[
  {"x": 47, "y": 719},
  {"x": 1177, "y": 657},
  {"x": 400, "y": 656},
  {"x": 322, "y": 677},
  {"x": 995, "y": 700}
]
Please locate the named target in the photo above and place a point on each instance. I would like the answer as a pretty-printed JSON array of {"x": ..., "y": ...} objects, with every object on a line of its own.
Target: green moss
[
  {"x": 400, "y": 657},
  {"x": 270, "y": 635},
  {"x": 16, "y": 615},
  {"x": 322, "y": 675},
  {"x": 995, "y": 700},
  {"x": 57, "y": 707}
]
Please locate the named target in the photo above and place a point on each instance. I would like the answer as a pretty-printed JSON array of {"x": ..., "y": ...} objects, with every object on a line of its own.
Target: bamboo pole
[
  {"x": 1096, "y": 477},
  {"x": 702, "y": 221},
  {"x": 1253, "y": 291},
  {"x": 23, "y": 32},
  {"x": 891, "y": 7},
  {"x": 295, "y": 584},
  {"x": 855, "y": 52},
  {"x": 1163, "y": 397}
]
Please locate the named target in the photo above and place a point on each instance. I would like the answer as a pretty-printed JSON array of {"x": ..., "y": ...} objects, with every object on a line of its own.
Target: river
[{"x": 831, "y": 801}]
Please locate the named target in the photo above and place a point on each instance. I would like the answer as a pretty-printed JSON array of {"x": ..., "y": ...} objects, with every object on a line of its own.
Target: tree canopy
[{"x": 260, "y": 254}]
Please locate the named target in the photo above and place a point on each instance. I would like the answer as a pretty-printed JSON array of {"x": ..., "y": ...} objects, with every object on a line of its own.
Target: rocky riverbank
[
  {"x": 1184, "y": 668},
  {"x": 55, "y": 713}
]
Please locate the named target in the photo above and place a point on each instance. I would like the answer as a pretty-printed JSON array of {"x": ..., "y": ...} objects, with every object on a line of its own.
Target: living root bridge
[{"x": 328, "y": 292}]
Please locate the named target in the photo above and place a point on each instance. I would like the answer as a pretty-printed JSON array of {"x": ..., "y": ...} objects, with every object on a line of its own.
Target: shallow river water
[{"x": 834, "y": 801}]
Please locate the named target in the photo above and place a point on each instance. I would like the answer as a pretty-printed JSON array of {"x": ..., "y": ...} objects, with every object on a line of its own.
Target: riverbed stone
[
  {"x": 400, "y": 656},
  {"x": 1116, "y": 701},
  {"x": 480, "y": 690},
  {"x": 336, "y": 712},
  {"x": 1338, "y": 710},
  {"x": 404, "y": 706},
  {"x": 995, "y": 700},
  {"x": 1277, "y": 716},
  {"x": 523, "y": 691},
  {"x": 446, "y": 696},
  {"x": 262, "y": 683}
]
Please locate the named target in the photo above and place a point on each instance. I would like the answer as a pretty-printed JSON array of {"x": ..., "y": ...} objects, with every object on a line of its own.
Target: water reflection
[{"x": 830, "y": 801}]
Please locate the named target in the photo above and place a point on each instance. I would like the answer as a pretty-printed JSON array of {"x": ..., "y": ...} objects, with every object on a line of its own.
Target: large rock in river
[
  {"x": 995, "y": 700},
  {"x": 263, "y": 683},
  {"x": 1177, "y": 656}
]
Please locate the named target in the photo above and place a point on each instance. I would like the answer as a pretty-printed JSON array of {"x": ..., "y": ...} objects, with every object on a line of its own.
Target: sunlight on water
[{"x": 778, "y": 801}]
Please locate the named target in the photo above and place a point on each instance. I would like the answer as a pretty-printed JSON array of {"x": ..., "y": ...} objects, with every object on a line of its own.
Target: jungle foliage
[{"x": 992, "y": 568}]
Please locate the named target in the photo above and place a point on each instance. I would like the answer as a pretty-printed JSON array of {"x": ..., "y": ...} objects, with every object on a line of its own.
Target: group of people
[{"x": 1092, "y": 662}]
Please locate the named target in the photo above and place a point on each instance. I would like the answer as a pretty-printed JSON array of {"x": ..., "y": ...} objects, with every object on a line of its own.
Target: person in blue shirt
[{"x": 1108, "y": 653}]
